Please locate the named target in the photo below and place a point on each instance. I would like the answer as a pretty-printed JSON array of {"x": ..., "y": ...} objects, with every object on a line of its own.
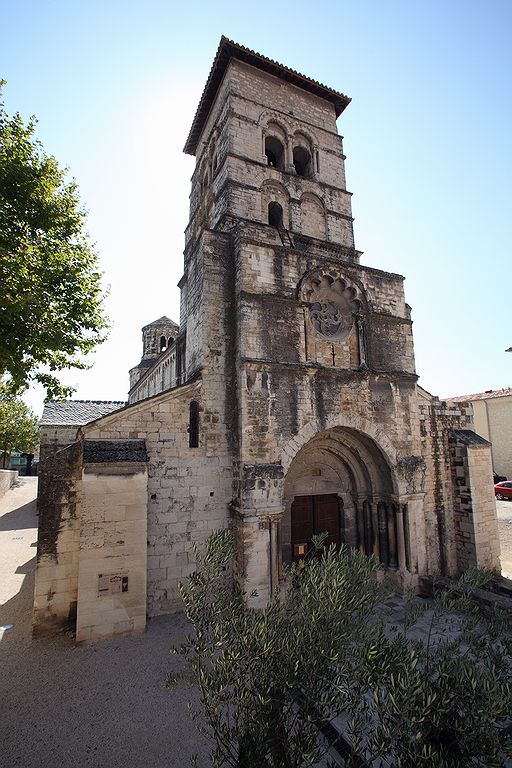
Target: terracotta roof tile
[
  {"x": 228, "y": 50},
  {"x": 487, "y": 395}
]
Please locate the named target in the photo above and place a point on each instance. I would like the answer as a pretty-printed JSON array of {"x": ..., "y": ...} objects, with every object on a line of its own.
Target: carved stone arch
[
  {"x": 358, "y": 424},
  {"x": 313, "y": 219},
  {"x": 276, "y": 127},
  {"x": 273, "y": 191},
  {"x": 305, "y": 137},
  {"x": 339, "y": 481},
  {"x": 267, "y": 116}
]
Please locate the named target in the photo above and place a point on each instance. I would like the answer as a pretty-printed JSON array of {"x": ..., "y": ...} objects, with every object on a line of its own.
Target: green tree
[
  {"x": 50, "y": 289},
  {"x": 18, "y": 427},
  {"x": 435, "y": 691}
]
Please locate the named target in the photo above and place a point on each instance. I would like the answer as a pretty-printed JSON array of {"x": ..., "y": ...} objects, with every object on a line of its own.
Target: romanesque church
[{"x": 284, "y": 404}]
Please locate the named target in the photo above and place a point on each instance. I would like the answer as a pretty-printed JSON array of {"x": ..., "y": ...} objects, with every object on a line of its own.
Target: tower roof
[
  {"x": 164, "y": 320},
  {"x": 228, "y": 50}
]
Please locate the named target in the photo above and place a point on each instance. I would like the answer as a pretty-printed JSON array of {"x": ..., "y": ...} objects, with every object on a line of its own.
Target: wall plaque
[{"x": 112, "y": 583}]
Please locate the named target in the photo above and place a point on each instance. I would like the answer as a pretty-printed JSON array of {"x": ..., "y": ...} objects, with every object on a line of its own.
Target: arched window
[
  {"x": 163, "y": 343},
  {"x": 193, "y": 425},
  {"x": 275, "y": 214},
  {"x": 302, "y": 161},
  {"x": 274, "y": 152},
  {"x": 170, "y": 341}
]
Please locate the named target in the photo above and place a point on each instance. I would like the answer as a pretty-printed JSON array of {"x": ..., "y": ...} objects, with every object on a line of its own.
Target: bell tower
[{"x": 303, "y": 341}]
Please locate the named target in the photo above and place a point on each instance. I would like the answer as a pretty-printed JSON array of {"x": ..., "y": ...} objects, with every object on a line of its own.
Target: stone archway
[{"x": 342, "y": 474}]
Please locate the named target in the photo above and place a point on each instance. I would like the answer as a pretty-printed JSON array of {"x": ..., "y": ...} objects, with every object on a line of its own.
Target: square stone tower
[{"x": 317, "y": 380}]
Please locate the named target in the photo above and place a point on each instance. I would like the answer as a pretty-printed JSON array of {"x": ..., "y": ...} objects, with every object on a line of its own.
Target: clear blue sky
[{"x": 427, "y": 138}]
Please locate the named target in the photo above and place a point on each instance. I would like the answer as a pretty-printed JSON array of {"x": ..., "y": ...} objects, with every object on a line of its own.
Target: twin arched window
[
  {"x": 302, "y": 159},
  {"x": 165, "y": 343}
]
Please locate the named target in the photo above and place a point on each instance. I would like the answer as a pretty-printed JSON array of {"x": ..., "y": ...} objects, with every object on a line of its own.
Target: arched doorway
[{"x": 340, "y": 482}]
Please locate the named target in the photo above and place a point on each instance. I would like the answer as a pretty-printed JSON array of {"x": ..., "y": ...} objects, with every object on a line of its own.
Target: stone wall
[
  {"x": 493, "y": 420},
  {"x": 8, "y": 478},
  {"x": 54, "y": 437},
  {"x": 476, "y": 526},
  {"x": 158, "y": 378},
  {"x": 188, "y": 489},
  {"x": 460, "y": 510},
  {"x": 58, "y": 544},
  {"x": 113, "y": 525}
]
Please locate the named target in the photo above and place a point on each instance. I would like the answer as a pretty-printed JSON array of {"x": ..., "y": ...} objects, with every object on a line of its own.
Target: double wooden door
[{"x": 311, "y": 515}]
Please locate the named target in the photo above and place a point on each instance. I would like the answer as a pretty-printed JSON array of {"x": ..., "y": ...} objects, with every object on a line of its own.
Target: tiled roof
[
  {"x": 228, "y": 50},
  {"x": 487, "y": 395},
  {"x": 79, "y": 412},
  {"x": 468, "y": 437},
  {"x": 164, "y": 320}
]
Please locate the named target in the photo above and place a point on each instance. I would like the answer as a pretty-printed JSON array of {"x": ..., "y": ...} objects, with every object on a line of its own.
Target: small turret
[{"x": 156, "y": 338}]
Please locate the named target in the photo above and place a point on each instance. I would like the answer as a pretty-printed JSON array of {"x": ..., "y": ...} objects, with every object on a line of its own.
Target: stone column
[
  {"x": 402, "y": 561},
  {"x": 252, "y": 538},
  {"x": 260, "y": 508},
  {"x": 274, "y": 555},
  {"x": 361, "y": 339},
  {"x": 289, "y": 154},
  {"x": 417, "y": 537},
  {"x": 392, "y": 535}
]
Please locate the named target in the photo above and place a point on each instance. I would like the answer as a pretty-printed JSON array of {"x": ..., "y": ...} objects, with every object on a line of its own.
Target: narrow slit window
[{"x": 193, "y": 425}]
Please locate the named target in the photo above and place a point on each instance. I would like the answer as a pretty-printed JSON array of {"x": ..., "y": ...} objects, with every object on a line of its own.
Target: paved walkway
[{"x": 103, "y": 705}]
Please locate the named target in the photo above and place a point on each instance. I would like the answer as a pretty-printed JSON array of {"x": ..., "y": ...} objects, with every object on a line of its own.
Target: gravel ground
[
  {"x": 99, "y": 705},
  {"x": 102, "y": 705}
]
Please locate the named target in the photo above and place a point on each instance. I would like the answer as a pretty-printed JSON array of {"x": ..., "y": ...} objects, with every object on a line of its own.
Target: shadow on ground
[{"x": 100, "y": 705}]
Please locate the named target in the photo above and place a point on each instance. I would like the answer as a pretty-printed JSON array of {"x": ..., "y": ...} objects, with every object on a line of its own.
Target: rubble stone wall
[{"x": 58, "y": 545}]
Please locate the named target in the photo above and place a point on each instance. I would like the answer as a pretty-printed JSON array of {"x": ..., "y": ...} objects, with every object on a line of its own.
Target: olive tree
[
  {"x": 434, "y": 691},
  {"x": 50, "y": 287}
]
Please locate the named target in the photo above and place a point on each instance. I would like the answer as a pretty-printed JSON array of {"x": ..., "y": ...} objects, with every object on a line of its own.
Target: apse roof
[{"x": 228, "y": 50}]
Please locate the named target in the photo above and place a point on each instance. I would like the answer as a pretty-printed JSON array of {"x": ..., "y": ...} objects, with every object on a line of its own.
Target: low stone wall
[{"x": 7, "y": 479}]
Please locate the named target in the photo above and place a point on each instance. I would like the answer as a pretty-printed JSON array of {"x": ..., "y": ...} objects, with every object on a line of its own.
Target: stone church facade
[{"x": 284, "y": 404}]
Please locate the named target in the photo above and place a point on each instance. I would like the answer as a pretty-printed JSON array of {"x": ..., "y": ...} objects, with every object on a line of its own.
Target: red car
[{"x": 503, "y": 490}]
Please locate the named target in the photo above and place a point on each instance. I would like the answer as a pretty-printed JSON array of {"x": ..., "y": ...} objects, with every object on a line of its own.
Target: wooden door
[{"x": 312, "y": 515}]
